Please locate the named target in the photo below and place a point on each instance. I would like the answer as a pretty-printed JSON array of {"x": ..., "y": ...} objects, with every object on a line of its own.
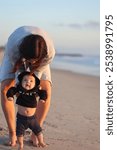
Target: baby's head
[{"x": 28, "y": 80}]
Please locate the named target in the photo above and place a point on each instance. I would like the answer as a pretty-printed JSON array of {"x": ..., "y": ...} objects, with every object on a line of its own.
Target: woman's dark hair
[{"x": 31, "y": 47}]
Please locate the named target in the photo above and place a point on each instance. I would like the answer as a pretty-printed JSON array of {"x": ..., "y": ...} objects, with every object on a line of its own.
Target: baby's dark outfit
[
  {"x": 24, "y": 122},
  {"x": 27, "y": 98}
]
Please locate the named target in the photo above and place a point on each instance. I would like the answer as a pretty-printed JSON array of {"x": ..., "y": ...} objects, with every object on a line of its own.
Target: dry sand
[{"x": 73, "y": 120}]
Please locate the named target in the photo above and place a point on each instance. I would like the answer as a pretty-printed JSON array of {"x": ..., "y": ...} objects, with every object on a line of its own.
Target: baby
[{"x": 26, "y": 92}]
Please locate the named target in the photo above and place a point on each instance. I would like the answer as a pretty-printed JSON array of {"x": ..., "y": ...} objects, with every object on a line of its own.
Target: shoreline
[{"x": 75, "y": 73}]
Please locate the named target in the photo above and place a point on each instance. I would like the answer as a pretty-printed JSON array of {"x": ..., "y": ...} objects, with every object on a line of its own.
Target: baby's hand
[
  {"x": 10, "y": 98},
  {"x": 41, "y": 100}
]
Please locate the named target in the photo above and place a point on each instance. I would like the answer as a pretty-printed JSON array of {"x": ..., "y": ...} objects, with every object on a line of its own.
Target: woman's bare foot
[
  {"x": 41, "y": 140},
  {"x": 13, "y": 140},
  {"x": 13, "y": 143}
]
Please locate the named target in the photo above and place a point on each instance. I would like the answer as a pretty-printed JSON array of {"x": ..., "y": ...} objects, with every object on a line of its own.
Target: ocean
[{"x": 84, "y": 64}]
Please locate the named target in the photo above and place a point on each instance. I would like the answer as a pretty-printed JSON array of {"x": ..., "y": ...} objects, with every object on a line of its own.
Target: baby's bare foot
[{"x": 20, "y": 147}]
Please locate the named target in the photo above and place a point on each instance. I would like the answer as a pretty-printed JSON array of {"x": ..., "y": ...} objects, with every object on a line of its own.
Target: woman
[{"x": 28, "y": 48}]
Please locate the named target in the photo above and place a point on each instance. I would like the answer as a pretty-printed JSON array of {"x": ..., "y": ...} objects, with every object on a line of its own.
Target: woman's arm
[{"x": 8, "y": 106}]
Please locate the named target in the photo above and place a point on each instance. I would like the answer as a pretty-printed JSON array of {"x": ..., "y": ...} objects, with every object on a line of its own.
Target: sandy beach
[{"x": 73, "y": 120}]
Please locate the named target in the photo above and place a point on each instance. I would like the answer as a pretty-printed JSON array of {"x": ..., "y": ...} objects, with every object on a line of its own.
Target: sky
[{"x": 74, "y": 25}]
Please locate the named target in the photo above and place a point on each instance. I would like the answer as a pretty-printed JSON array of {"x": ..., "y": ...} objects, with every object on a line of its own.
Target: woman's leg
[
  {"x": 43, "y": 107},
  {"x": 9, "y": 110}
]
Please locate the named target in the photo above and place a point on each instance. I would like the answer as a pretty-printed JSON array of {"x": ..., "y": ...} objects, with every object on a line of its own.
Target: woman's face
[
  {"x": 32, "y": 61},
  {"x": 28, "y": 82}
]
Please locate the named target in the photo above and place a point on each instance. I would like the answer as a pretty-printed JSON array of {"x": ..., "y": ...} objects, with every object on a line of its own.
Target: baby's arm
[
  {"x": 11, "y": 92},
  {"x": 42, "y": 94}
]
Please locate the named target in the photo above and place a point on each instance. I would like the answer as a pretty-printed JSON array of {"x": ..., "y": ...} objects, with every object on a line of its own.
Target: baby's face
[{"x": 28, "y": 82}]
